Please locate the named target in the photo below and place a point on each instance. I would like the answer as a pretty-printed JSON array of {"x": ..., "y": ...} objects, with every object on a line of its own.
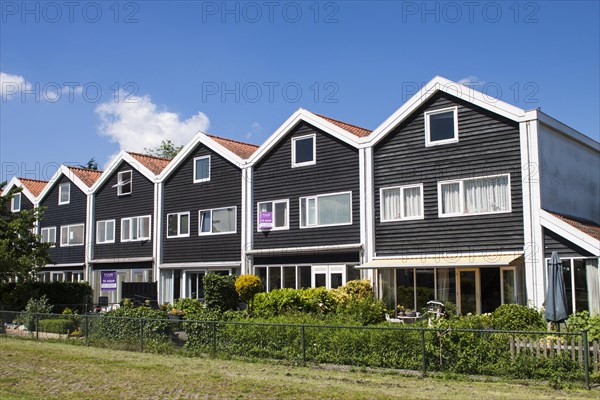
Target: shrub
[
  {"x": 39, "y": 306},
  {"x": 582, "y": 321},
  {"x": 61, "y": 326},
  {"x": 283, "y": 301},
  {"x": 247, "y": 286},
  {"x": 364, "y": 311},
  {"x": 14, "y": 296},
  {"x": 186, "y": 305},
  {"x": 219, "y": 292},
  {"x": 517, "y": 318}
]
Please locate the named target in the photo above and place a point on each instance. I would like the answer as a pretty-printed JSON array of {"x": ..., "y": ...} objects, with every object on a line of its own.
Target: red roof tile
[
  {"x": 353, "y": 129},
  {"x": 584, "y": 225},
  {"x": 88, "y": 176},
  {"x": 35, "y": 186},
  {"x": 153, "y": 163},
  {"x": 241, "y": 149}
]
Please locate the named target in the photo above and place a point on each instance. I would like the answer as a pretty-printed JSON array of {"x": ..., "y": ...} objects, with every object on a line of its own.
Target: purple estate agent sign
[
  {"x": 265, "y": 220},
  {"x": 108, "y": 281}
]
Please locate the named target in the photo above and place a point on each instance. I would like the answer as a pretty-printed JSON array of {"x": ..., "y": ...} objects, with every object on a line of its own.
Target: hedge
[
  {"x": 14, "y": 296},
  {"x": 57, "y": 325}
]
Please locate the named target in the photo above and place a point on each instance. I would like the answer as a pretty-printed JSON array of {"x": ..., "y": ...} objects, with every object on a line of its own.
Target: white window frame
[
  {"x": 179, "y": 234},
  {"x": 514, "y": 283},
  {"x": 200, "y": 233},
  {"x": 60, "y": 190},
  {"x": 273, "y": 202},
  {"x": 462, "y": 197},
  {"x": 105, "y": 222},
  {"x": 121, "y": 183},
  {"x": 209, "y": 168},
  {"x": 316, "y": 198},
  {"x": 51, "y": 229},
  {"x": 402, "y": 216},
  {"x": 428, "y": 142},
  {"x": 328, "y": 270},
  {"x": 69, "y": 227},
  {"x": 139, "y": 239},
  {"x": 12, "y": 202},
  {"x": 302, "y": 164}
]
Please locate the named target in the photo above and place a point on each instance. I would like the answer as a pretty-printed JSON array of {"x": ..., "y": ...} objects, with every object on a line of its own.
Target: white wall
[{"x": 569, "y": 174}]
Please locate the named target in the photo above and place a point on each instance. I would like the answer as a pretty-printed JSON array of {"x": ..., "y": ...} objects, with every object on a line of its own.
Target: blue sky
[{"x": 84, "y": 80}]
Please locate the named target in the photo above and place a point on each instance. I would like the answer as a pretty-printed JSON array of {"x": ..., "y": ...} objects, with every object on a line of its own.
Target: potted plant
[
  {"x": 174, "y": 314},
  {"x": 410, "y": 313},
  {"x": 400, "y": 309}
]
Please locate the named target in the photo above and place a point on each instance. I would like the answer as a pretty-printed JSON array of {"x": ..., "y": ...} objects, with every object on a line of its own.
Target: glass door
[
  {"x": 468, "y": 294},
  {"x": 195, "y": 285},
  {"x": 509, "y": 285}
]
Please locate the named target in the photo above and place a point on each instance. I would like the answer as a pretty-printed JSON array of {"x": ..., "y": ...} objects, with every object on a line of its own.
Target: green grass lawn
[{"x": 43, "y": 370}]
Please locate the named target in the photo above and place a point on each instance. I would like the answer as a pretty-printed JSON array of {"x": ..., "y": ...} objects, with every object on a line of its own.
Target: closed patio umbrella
[{"x": 556, "y": 294}]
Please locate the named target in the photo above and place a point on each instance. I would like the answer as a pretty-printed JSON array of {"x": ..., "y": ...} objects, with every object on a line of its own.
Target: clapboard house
[
  {"x": 305, "y": 199},
  {"x": 66, "y": 222},
  {"x": 123, "y": 242},
  {"x": 455, "y": 199},
  {"x": 26, "y": 199},
  {"x": 202, "y": 217}
]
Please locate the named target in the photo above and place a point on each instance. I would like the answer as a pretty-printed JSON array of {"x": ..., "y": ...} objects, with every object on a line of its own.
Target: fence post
[
  {"x": 141, "y": 334},
  {"x": 37, "y": 326},
  {"x": 423, "y": 351},
  {"x": 586, "y": 356},
  {"x": 214, "y": 337},
  {"x": 303, "y": 345}
]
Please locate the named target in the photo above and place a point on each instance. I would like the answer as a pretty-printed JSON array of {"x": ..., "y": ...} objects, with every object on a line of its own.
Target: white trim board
[
  {"x": 111, "y": 169},
  {"x": 570, "y": 233},
  {"x": 63, "y": 170},
  {"x": 16, "y": 182}
]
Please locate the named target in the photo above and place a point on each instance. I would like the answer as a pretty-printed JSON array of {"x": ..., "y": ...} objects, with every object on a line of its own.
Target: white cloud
[
  {"x": 11, "y": 85},
  {"x": 136, "y": 124},
  {"x": 254, "y": 128},
  {"x": 470, "y": 81}
]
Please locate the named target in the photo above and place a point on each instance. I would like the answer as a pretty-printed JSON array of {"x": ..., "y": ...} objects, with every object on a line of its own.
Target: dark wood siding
[
  {"x": 488, "y": 145},
  {"x": 66, "y": 214},
  {"x": 25, "y": 203},
  {"x": 309, "y": 259},
  {"x": 336, "y": 170},
  {"x": 181, "y": 194},
  {"x": 555, "y": 242},
  {"x": 108, "y": 205}
]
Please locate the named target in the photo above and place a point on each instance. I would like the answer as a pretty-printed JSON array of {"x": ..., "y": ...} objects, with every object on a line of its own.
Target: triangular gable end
[
  {"x": 123, "y": 156},
  {"x": 16, "y": 182},
  {"x": 313, "y": 119},
  {"x": 570, "y": 233},
  {"x": 63, "y": 170}
]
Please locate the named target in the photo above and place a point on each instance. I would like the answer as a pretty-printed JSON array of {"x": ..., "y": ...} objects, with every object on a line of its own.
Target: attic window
[
  {"x": 124, "y": 183},
  {"x": 441, "y": 126},
  {"x": 64, "y": 193},
  {"x": 303, "y": 151},
  {"x": 15, "y": 203},
  {"x": 202, "y": 169}
]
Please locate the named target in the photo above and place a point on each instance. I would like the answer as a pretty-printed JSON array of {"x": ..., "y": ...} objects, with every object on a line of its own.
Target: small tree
[
  {"x": 166, "y": 149},
  {"x": 248, "y": 286},
  {"x": 39, "y": 306},
  {"x": 219, "y": 292},
  {"x": 21, "y": 251},
  {"x": 91, "y": 164}
]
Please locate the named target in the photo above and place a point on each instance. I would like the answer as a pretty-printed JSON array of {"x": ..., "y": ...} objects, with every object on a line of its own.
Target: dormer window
[
  {"x": 64, "y": 193},
  {"x": 124, "y": 183},
  {"x": 304, "y": 151},
  {"x": 441, "y": 126},
  {"x": 15, "y": 203},
  {"x": 202, "y": 169}
]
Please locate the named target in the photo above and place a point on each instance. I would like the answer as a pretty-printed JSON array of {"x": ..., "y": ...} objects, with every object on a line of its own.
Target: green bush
[
  {"x": 366, "y": 311},
  {"x": 248, "y": 286},
  {"x": 33, "y": 307},
  {"x": 186, "y": 305},
  {"x": 14, "y": 296},
  {"x": 219, "y": 292},
  {"x": 61, "y": 326},
  {"x": 283, "y": 301},
  {"x": 516, "y": 317},
  {"x": 582, "y": 321}
]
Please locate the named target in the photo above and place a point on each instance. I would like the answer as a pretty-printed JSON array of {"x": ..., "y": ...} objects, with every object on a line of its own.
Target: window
[
  {"x": 303, "y": 151},
  {"x": 71, "y": 235},
  {"x": 124, "y": 183},
  {"x": 15, "y": 203},
  {"x": 48, "y": 235},
  {"x": 326, "y": 209},
  {"x": 279, "y": 210},
  {"x": 485, "y": 195},
  {"x": 202, "y": 169},
  {"x": 402, "y": 203},
  {"x": 441, "y": 126},
  {"x": 218, "y": 221},
  {"x": 178, "y": 225},
  {"x": 135, "y": 228},
  {"x": 64, "y": 193},
  {"x": 105, "y": 231}
]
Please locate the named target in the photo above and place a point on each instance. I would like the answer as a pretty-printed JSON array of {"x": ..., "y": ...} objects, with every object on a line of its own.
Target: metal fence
[{"x": 520, "y": 354}]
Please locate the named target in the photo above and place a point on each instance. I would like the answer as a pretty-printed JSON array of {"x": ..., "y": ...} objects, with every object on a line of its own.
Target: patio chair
[{"x": 393, "y": 320}]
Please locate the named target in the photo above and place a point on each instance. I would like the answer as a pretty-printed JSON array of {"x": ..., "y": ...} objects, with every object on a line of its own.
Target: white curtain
[
  {"x": 334, "y": 209},
  {"x": 451, "y": 198},
  {"x": 486, "y": 195},
  {"x": 593, "y": 283},
  {"x": 412, "y": 202},
  {"x": 391, "y": 204},
  {"x": 223, "y": 220},
  {"x": 443, "y": 284}
]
